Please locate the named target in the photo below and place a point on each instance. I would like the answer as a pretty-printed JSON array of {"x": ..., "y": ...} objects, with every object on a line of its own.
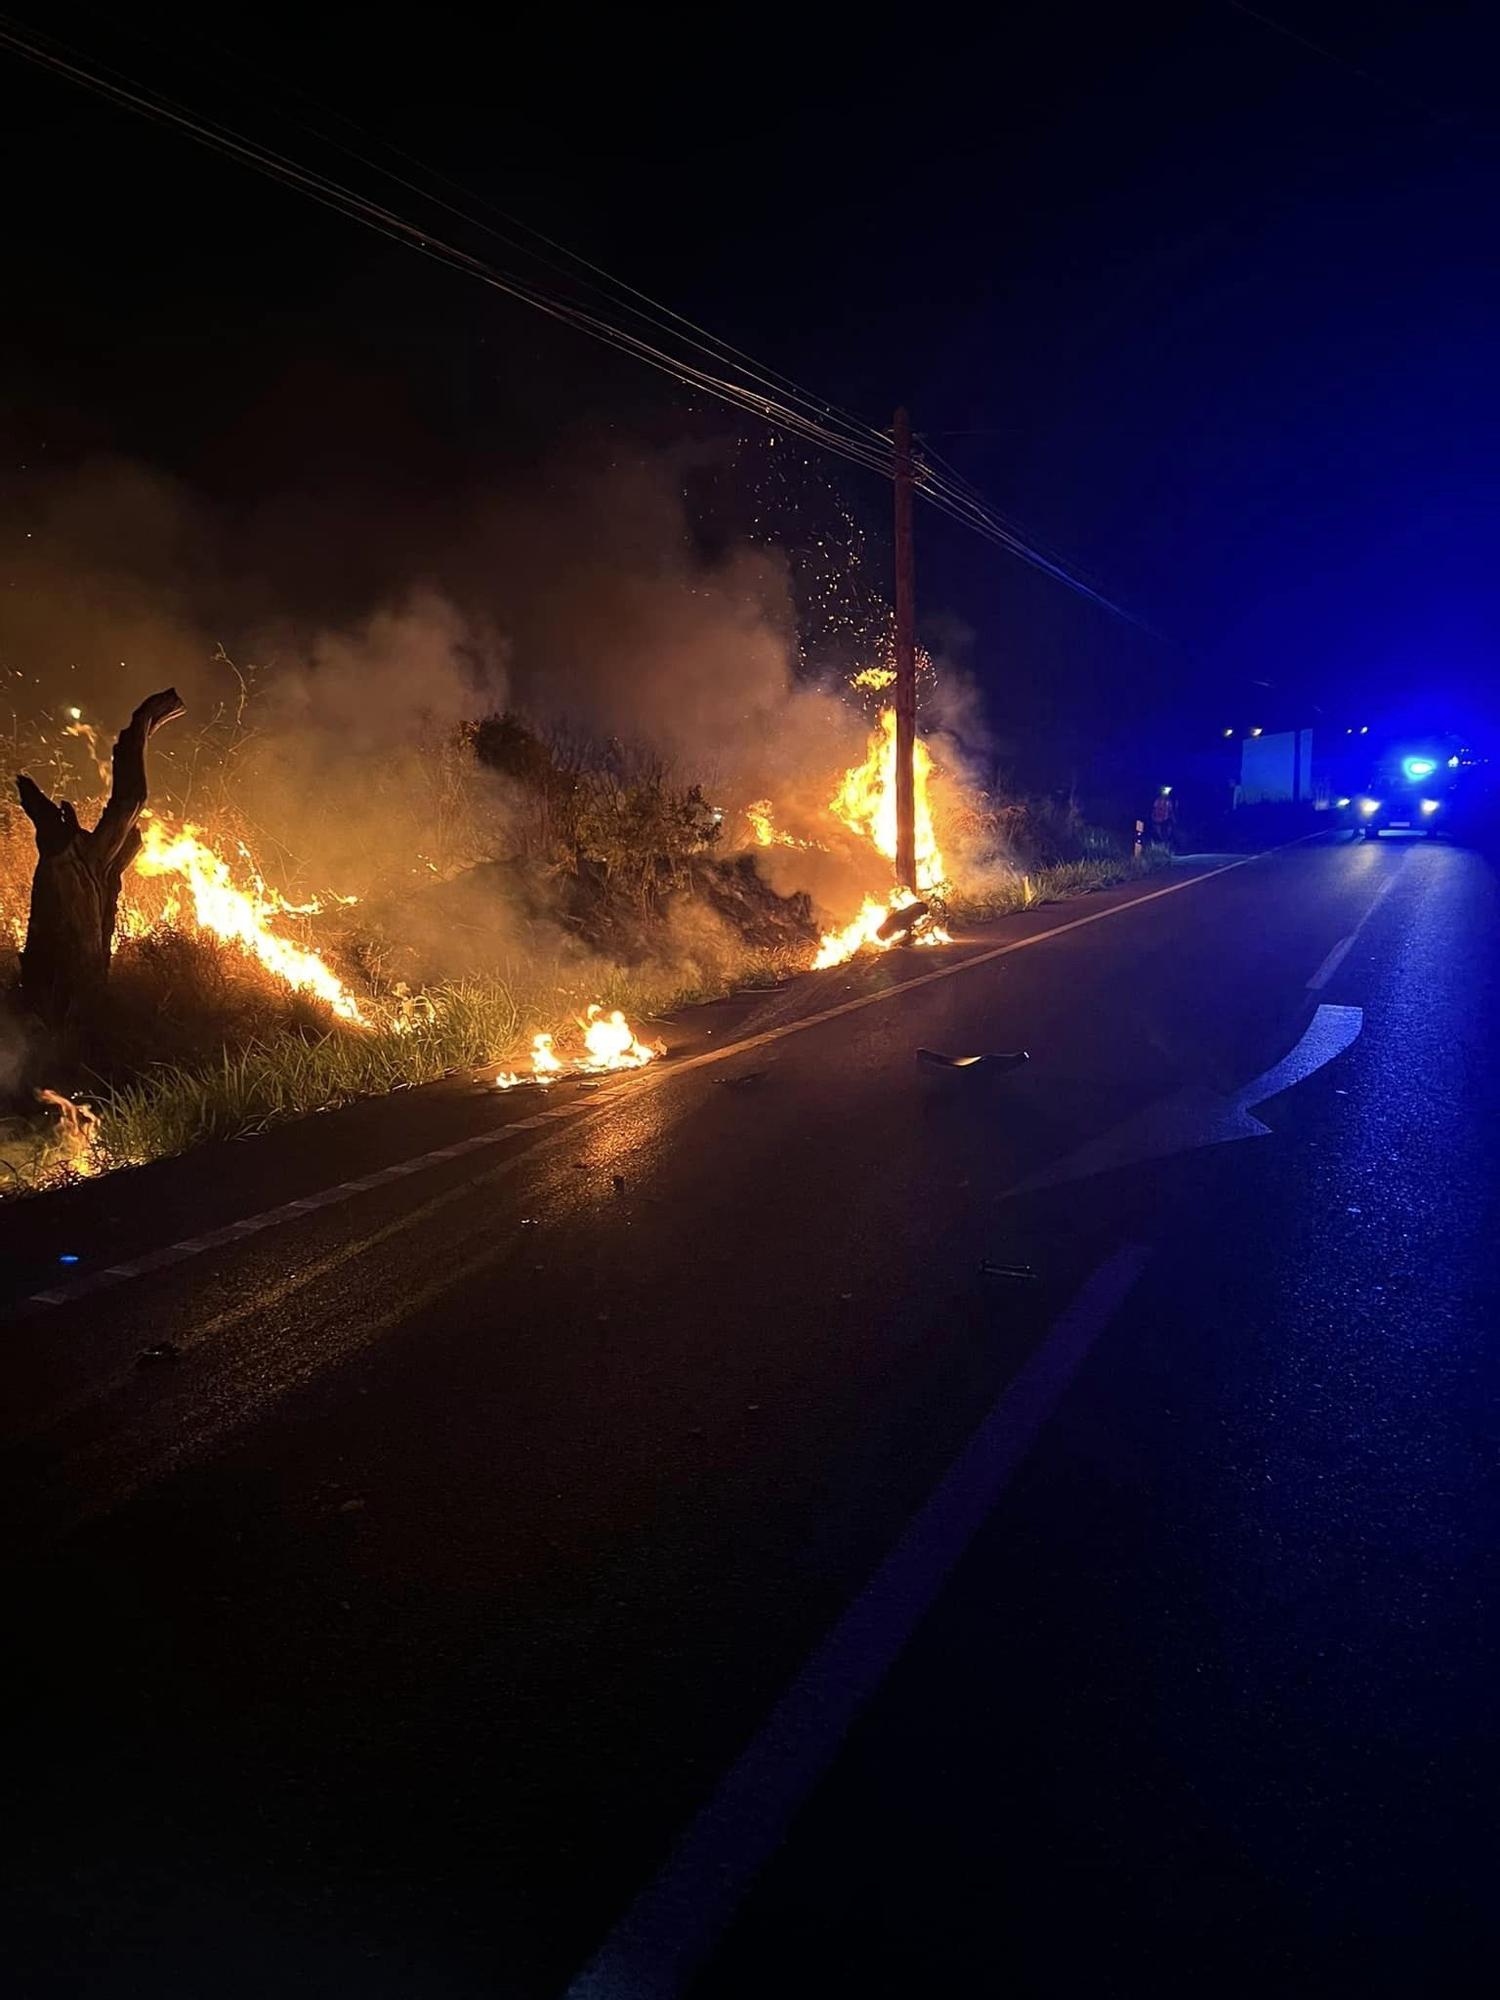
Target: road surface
[{"x": 800, "y": 1520}]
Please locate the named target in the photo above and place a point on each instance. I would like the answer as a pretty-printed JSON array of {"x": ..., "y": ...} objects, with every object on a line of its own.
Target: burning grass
[
  {"x": 172, "y": 1106},
  {"x": 576, "y": 894},
  {"x": 470, "y": 1025}
]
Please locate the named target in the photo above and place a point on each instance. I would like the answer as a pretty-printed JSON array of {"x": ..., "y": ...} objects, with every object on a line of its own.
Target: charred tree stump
[{"x": 76, "y": 887}]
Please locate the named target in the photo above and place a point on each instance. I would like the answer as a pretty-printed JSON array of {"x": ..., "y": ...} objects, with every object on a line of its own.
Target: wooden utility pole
[{"x": 906, "y": 665}]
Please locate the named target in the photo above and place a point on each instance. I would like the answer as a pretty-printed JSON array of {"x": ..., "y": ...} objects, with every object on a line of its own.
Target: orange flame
[
  {"x": 765, "y": 829},
  {"x": 544, "y": 1062},
  {"x": 545, "y": 1065},
  {"x": 241, "y": 916},
  {"x": 866, "y": 803},
  {"x": 74, "y": 1137},
  {"x": 609, "y": 1043}
]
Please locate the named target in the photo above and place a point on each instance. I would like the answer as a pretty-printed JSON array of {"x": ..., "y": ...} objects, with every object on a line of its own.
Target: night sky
[{"x": 1213, "y": 312}]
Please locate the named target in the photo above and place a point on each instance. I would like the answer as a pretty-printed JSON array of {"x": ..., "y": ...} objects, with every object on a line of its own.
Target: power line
[
  {"x": 778, "y": 400},
  {"x": 874, "y": 455},
  {"x": 1328, "y": 55},
  {"x": 658, "y": 313},
  {"x": 981, "y": 523},
  {"x": 966, "y": 488}
]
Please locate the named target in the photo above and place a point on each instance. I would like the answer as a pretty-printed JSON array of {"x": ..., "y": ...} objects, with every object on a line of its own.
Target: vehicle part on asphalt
[
  {"x": 996, "y": 1063},
  {"x": 900, "y": 923}
]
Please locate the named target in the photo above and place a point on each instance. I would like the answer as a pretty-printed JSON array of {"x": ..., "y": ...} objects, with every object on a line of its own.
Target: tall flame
[
  {"x": 242, "y": 916},
  {"x": 866, "y": 803}
]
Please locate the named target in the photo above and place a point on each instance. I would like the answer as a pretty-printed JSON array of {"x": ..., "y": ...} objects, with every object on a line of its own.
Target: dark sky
[{"x": 1211, "y": 311}]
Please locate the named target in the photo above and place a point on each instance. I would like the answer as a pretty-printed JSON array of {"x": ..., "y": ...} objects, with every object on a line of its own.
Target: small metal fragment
[{"x": 996, "y": 1064}]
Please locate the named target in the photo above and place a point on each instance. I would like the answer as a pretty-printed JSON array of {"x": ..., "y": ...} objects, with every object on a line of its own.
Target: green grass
[
  {"x": 1055, "y": 884},
  {"x": 173, "y": 1106}
]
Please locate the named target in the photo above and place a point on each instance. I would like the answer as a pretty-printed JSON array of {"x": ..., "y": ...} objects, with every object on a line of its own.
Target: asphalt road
[{"x": 645, "y": 1550}]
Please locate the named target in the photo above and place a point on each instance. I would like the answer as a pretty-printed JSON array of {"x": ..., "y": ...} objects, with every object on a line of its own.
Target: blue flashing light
[
  {"x": 1418, "y": 767},
  {"x": 68, "y": 1257}
]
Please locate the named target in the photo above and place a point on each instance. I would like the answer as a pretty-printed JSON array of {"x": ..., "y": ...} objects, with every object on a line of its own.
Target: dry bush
[{"x": 178, "y": 996}]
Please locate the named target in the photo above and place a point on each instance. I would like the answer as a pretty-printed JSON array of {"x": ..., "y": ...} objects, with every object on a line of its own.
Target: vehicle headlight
[
  {"x": 1368, "y": 806},
  {"x": 1431, "y": 805},
  {"x": 1341, "y": 802}
]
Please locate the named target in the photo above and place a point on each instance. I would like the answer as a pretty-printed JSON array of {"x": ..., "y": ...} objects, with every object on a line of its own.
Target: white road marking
[
  {"x": 1344, "y": 946},
  {"x": 1196, "y": 1116},
  {"x": 1327, "y": 1034},
  {"x": 289, "y": 1211},
  {"x": 668, "y": 1932},
  {"x": 950, "y": 971},
  {"x": 193, "y": 1246},
  {"x": 1330, "y": 964}
]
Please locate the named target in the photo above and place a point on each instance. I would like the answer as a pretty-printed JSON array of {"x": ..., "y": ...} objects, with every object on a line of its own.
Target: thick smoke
[{"x": 323, "y": 715}]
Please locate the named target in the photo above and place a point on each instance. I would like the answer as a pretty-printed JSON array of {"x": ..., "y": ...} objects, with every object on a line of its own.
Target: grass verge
[
  {"x": 1056, "y": 884},
  {"x": 172, "y": 1107}
]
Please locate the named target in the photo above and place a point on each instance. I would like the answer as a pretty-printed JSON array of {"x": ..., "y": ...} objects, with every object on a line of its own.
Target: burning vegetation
[
  {"x": 610, "y": 873},
  {"x": 396, "y": 851}
]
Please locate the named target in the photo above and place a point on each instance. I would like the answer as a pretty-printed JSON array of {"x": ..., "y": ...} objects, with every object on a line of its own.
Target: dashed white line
[{"x": 289, "y": 1211}]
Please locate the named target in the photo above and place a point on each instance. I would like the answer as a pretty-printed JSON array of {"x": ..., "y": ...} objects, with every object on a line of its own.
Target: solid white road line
[
  {"x": 665, "y": 1936},
  {"x": 194, "y": 1246}
]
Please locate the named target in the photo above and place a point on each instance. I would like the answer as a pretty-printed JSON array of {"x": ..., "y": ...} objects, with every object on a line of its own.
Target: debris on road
[
  {"x": 609, "y": 1044},
  {"x": 996, "y": 1064},
  {"x": 901, "y": 922},
  {"x": 1021, "y": 1272},
  {"x": 744, "y": 1080},
  {"x": 164, "y": 1350}
]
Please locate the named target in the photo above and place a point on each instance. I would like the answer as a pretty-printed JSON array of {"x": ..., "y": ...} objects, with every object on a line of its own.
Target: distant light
[
  {"x": 1255, "y": 732},
  {"x": 1368, "y": 806},
  {"x": 1419, "y": 767},
  {"x": 1452, "y": 763},
  {"x": 1166, "y": 791},
  {"x": 1364, "y": 729},
  {"x": 1341, "y": 802},
  {"x": 68, "y": 1257},
  {"x": 1350, "y": 730},
  {"x": 1430, "y": 805},
  {"x": 76, "y": 713},
  {"x": 1228, "y": 733}
]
